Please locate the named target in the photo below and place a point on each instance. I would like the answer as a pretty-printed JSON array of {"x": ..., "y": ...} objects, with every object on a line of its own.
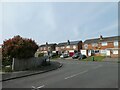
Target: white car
[{"x": 64, "y": 56}]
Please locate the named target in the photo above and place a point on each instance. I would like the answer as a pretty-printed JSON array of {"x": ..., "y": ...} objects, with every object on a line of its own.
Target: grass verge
[{"x": 94, "y": 58}]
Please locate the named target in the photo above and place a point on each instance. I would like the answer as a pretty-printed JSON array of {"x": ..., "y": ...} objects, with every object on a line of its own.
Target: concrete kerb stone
[{"x": 34, "y": 73}]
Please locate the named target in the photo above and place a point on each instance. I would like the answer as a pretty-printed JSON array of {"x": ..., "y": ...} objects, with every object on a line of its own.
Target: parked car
[
  {"x": 53, "y": 55},
  {"x": 76, "y": 55},
  {"x": 82, "y": 57},
  {"x": 64, "y": 56}
]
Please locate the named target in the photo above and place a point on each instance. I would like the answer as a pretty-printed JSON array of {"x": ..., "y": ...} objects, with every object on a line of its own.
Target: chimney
[
  {"x": 101, "y": 37},
  {"x": 46, "y": 43},
  {"x": 68, "y": 42}
]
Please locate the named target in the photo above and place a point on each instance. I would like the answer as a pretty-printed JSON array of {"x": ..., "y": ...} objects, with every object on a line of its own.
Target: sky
[{"x": 56, "y": 22}]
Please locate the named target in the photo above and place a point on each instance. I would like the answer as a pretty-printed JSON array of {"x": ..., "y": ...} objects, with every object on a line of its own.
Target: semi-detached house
[
  {"x": 107, "y": 46},
  {"x": 44, "y": 48},
  {"x": 69, "y": 47}
]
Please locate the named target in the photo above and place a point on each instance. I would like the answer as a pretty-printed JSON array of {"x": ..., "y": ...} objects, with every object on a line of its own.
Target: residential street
[{"x": 73, "y": 74}]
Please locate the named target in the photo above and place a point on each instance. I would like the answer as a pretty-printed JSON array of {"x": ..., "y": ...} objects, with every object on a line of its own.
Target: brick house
[
  {"x": 69, "y": 47},
  {"x": 107, "y": 46},
  {"x": 47, "y": 47},
  {"x": 44, "y": 48}
]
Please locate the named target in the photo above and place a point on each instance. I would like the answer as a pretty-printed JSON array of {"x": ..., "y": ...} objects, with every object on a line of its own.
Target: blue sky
[{"x": 58, "y": 22}]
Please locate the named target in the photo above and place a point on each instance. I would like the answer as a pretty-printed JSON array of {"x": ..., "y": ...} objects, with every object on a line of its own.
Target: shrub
[
  {"x": 7, "y": 69},
  {"x": 40, "y": 54},
  {"x": 18, "y": 47}
]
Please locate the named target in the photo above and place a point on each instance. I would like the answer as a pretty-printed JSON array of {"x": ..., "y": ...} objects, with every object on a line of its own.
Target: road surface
[{"x": 73, "y": 74}]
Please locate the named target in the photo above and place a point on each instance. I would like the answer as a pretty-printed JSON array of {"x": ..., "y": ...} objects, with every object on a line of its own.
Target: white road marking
[
  {"x": 41, "y": 86},
  {"x": 34, "y": 88},
  {"x": 97, "y": 66},
  {"x": 76, "y": 74}
]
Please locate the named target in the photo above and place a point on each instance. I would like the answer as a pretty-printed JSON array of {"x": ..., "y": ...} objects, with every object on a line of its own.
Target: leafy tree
[{"x": 18, "y": 47}]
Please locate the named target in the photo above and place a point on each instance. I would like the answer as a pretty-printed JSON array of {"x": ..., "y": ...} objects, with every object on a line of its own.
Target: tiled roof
[
  {"x": 62, "y": 44},
  {"x": 48, "y": 45},
  {"x": 71, "y": 43},
  {"x": 108, "y": 39}
]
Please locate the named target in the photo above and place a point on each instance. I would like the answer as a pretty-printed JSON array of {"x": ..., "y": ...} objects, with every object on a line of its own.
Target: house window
[
  {"x": 41, "y": 48},
  {"x": 68, "y": 47},
  {"x": 85, "y": 46},
  {"x": 115, "y": 43},
  {"x": 104, "y": 43},
  {"x": 74, "y": 47},
  {"x": 44, "y": 48},
  {"x": 94, "y": 44},
  {"x": 62, "y": 47},
  {"x": 103, "y": 51},
  {"x": 57, "y": 48},
  {"x": 115, "y": 51}
]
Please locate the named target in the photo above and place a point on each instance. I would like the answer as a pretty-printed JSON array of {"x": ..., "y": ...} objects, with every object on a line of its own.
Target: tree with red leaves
[{"x": 19, "y": 47}]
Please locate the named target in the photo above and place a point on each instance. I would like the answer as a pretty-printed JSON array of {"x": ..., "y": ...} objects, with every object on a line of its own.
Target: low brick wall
[
  {"x": 24, "y": 64},
  {"x": 115, "y": 55}
]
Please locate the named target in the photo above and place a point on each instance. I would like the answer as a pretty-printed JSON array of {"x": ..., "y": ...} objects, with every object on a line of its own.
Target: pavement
[
  {"x": 107, "y": 59},
  {"x": 73, "y": 74},
  {"x": 19, "y": 74}
]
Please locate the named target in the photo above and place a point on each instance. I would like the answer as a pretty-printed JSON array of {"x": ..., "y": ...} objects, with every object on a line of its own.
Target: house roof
[
  {"x": 71, "y": 43},
  {"x": 108, "y": 39},
  {"x": 44, "y": 45}
]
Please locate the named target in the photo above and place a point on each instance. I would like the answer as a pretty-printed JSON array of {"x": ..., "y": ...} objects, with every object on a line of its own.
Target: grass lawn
[
  {"x": 55, "y": 57},
  {"x": 96, "y": 58}
]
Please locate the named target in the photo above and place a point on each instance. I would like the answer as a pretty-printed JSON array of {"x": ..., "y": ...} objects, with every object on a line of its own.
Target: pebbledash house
[
  {"x": 69, "y": 47},
  {"x": 105, "y": 46}
]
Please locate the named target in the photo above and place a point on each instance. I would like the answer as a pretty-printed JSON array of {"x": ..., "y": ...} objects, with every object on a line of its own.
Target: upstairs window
[
  {"x": 41, "y": 48},
  {"x": 74, "y": 47},
  {"x": 115, "y": 43},
  {"x": 44, "y": 48},
  {"x": 62, "y": 47},
  {"x": 94, "y": 44},
  {"x": 104, "y": 43},
  {"x": 68, "y": 47}
]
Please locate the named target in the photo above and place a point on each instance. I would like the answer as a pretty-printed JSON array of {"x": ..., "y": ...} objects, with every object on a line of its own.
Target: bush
[
  {"x": 40, "y": 54},
  {"x": 55, "y": 56},
  {"x": 7, "y": 69},
  {"x": 18, "y": 47}
]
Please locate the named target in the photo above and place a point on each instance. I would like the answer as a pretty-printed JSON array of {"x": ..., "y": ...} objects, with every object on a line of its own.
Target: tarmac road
[{"x": 73, "y": 74}]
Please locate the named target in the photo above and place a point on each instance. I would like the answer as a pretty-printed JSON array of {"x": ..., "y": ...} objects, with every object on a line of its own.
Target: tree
[{"x": 18, "y": 47}]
